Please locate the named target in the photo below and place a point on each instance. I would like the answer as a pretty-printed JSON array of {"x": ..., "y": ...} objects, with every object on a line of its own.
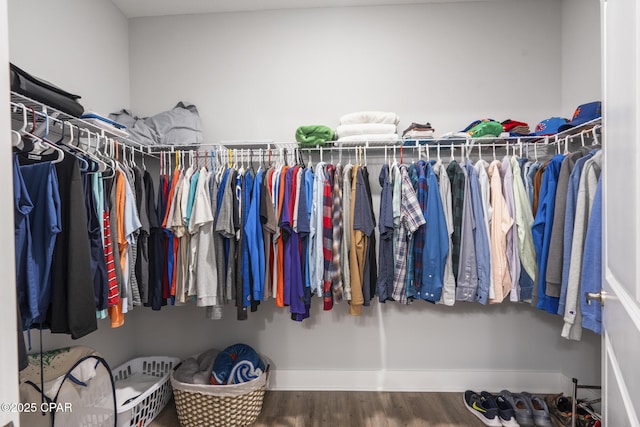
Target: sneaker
[
  {"x": 560, "y": 409},
  {"x": 523, "y": 413},
  {"x": 506, "y": 413},
  {"x": 483, "y": 408},
  {"x": 539, "y": 409}
]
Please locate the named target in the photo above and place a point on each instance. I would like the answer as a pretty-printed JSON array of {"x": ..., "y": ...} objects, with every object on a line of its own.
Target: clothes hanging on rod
[{"x": 224, "y": 232}]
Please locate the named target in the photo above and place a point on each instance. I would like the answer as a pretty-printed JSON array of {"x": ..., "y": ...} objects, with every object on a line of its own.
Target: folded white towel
[
  {"x": 365, "y": 129},
  {"x": 370, "y": 117},
  {"x": 371, "y": 139}
]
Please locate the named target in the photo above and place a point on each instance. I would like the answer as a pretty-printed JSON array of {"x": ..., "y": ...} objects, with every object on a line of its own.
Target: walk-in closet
[{"x": 255, "y": 72}]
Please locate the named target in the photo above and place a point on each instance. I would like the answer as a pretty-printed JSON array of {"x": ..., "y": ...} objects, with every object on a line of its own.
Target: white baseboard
[{"x": 422, "y": 381}]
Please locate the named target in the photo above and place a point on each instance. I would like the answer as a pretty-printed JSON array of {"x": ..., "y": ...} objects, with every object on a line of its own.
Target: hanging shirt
[
  {"x": 531, "y": 173},
  {"x": 26, "y": 280},
  {"x": 316, "y": 261},
  {"x": 346, "y": 235},
  {"x": 203, "y": 270},
  {"x": 131, "y": 226},
  {"x": 327, "y": 233},
  {"x": 142, "y": 259},
  {"x": 485, "y": 190},
  {"x": 569, "y": 220},
  {"x": 411, "y": 218},
  {"x": 269, "y": 226},
  {"x": 253, "y": 229},
  {"x": 586, "y": 194},
  {"x": 371, "y": 265},
  {"x": 436, "y": 248},
  {"x": 386, "y": 229},
  {"x": 44, "y": 223},
  {"x": 456, "y": 177},
  {"x": 98, "y": 263},
  {"x": 448, "y": 295},
  {"x": 299, "y": 291},
  {"x": 72, "y": 308},
  {"x": 501, "y": 223},
  {"x": 556, "y": 245},
  {"x": 513, "y": 258},
  {"x": 467, "y": 279},
  {"x": 542, "y": 230},
  {"x": 524, "y": 221},
  {"x": 336, "y": 222},
  {"x": 591, "y": 280},
  {"x": 247, "y": 287},
  {"x": 419, "y": 181},
  {"x": 481, "y": 240}
]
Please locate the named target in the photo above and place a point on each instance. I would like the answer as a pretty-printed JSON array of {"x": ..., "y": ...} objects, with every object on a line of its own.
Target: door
[{"x": 621, "y": 210}]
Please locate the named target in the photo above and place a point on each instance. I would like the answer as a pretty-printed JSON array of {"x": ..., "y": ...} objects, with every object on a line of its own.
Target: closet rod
[{"x": 44, "y": 112}]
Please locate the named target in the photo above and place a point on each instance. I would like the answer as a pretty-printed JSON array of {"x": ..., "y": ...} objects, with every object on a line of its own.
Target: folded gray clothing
[
  {"x": 186, "y": 371},
  {"x": 138, "y": 130},
  {"x": 181, "y": 125}
]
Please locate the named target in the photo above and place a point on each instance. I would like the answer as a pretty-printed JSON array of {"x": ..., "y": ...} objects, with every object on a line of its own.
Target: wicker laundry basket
[{"x": 231, "y": 405}]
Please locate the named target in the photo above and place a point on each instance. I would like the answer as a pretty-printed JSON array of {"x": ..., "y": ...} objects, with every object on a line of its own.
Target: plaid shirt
[
  {"x": 456, "y": 176},
  {"x": 411, "y": 218},
  {"x": 337, "y": 234},
  {"x": 327, "y": 242}
]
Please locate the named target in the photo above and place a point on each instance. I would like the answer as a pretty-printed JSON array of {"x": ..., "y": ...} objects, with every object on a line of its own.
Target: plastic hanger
[{"x": 47, "y": 144}]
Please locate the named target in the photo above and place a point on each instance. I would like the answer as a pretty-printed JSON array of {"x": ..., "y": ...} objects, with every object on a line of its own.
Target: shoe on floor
[
  {"x": 522, "y": 411},
  {"x": 484, "y": 409},
  {"x": 539, "y": 409},
  {"x": 560, "y": 409},
  {"x": 506, "y": 414}
]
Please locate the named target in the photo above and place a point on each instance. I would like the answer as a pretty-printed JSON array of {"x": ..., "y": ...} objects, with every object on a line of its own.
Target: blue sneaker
[
  {"x": 506, "y": 414},
  {"x": 484, "y": 409}
]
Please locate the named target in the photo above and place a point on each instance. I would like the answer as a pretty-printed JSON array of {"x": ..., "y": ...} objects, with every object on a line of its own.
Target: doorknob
[{"x": 596, "y": 296}]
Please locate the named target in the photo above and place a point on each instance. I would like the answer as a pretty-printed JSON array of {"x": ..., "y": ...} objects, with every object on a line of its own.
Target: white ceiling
[{"x": 138, "y": 8}]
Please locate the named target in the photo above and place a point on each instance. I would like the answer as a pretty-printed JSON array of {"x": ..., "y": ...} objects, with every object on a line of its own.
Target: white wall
[
  {"x": 8, "y": 331},
  {"x": 581, "y": 56},
  {"x": 78, "y": 45},
  {"x": 260, "y": 75}
]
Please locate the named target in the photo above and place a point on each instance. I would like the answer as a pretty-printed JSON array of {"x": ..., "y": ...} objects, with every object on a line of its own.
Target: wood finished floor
[{"x": 353, "y": 409}]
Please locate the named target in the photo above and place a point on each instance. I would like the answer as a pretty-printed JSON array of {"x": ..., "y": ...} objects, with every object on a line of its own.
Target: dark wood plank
[{"x": 349, "y": 408}]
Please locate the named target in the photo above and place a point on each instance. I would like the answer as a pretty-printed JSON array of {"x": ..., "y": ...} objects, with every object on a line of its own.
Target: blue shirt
[
  {"x": 246, "y": 203},
  {"x": 23, "y": 206},
  {"x": 436, "y": 249},
  {"x": 569, "y": 219},
  {"x": 41, "y": 182},
  {"x": 385, "y": 226},
  {"x": 255, "y": 241},
  {"x": 591, "y": 280},
  {"x": 541, "y": 230},
  {"x": 480, "y": 237},
  {"x": 298, "y": 292}
]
